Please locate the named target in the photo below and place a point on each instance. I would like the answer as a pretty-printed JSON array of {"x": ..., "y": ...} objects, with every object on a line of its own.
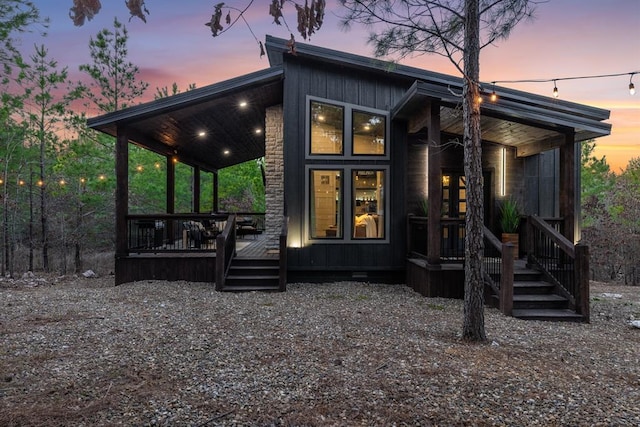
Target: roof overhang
[
  {"x": 205, "y": 127},
  {"x": 528, "y": 122}
]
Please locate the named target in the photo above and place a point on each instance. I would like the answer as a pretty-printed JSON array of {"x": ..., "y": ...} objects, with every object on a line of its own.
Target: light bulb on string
[
  {"x": 632, "y": 88},
  {"x": 494, "y": 96},
  {"x": 555, "y": 89}
]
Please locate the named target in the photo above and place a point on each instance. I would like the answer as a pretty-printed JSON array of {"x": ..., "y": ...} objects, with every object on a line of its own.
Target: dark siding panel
[{"x": 360, "y": 89}]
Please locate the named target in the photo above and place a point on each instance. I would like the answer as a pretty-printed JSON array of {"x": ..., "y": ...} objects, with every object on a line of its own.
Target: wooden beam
[
  {"x": 568, "y": 186},
  {"x": 216, "y": 206},
  {"x": 196, "y": 189},
  {"x": 538, "y": 147},
  {"x": 122, "y": 191},
  {"x": 420, "y": 119},
  {"x": 171, "y": 185},
  {"x": 434, "y": 172}
]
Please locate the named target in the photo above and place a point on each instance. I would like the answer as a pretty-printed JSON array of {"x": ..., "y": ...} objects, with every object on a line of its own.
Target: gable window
[
  {"x": 369, "y": 133},
  {"x": 337, "y": 130},
  {"x": 327, "y": 124}
]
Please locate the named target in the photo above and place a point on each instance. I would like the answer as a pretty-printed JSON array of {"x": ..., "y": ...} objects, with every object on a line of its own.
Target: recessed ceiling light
[
  {"x": 201, "y": 133},
  {"x": 226, "y": 152}
]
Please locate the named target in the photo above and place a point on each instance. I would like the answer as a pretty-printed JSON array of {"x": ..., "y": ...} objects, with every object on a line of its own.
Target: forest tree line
[{"x": 57, "y": 177}]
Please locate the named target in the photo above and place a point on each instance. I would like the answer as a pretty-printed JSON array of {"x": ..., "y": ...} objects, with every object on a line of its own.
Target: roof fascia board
[
  {"x": 507, "y": 109},
  {"x": 189, "y": 98}
]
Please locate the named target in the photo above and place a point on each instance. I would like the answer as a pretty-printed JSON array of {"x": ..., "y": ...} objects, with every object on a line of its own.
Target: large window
[
  {"x": 344, "y": 131},
  {"x": 325, "y": 204},
  {"x": 327, "y": 123},
  {"x": 368, "y": 204},
  {"x": 347, "y": 158},
  {"x": 369, "y": 132}
]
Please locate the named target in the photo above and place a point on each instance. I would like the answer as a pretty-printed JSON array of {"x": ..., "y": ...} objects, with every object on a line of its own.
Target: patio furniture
[
  {"x": 247, "y": 227},
  {"x": 194, "y": 232}
]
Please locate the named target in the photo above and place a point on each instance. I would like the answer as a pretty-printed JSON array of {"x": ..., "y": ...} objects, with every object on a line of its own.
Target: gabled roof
[{"x": 171, "y": 126}]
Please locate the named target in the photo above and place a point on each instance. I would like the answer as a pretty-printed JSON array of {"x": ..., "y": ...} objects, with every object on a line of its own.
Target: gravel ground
[{"x": 82, "y": 352}]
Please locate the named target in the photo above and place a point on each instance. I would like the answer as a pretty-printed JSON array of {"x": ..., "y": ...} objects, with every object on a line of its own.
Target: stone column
[{"x": 274, "y": 170}]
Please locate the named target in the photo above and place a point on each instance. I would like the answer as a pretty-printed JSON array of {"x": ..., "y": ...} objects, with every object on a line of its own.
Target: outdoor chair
[
  {"x": 247, "y": 227},
  {"x": 194, "y": 232}
]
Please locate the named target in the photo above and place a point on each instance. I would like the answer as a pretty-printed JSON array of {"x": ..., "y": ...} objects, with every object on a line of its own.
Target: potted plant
[
  {"x": 509, "y": 222},
  {"x": 423, "y": 207}
]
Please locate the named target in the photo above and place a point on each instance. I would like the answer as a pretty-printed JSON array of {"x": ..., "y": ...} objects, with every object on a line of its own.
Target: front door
[{"x": 454, "y": 209}]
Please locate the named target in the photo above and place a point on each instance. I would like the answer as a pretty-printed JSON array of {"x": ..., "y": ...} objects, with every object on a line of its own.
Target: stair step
[
  {"x": 532, "y": 287},
  {"x": 249, "y": 288},
  {"x": 526, "y": 275},
  {"x": 253, "y": 270},
  {"x": 563, "y": 315},
  {"x": 255, "y": 262},
  {"x": 539, "y": 301}
]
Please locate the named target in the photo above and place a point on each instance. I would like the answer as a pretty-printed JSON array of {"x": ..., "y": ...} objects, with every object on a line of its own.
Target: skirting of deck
[
  {"x": 441, "y": 280},
  {"x": 193, "y": 266}
]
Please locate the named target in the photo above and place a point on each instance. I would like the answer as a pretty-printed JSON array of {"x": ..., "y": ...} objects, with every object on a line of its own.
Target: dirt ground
[{"x": 78, "y": 351}]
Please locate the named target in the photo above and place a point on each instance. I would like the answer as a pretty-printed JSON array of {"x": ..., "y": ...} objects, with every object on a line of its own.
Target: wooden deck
[{"x": 255, "y": 247}]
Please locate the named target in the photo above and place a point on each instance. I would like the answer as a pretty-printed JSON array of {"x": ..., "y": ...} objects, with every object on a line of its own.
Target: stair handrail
[
  {"x": 282, "y": 273},
  {"x": 503, "y": 287},
  {"x": 571, "y": 274},
  {"x": 492, "y": 243},
  {"x": 225, "y": 251}
]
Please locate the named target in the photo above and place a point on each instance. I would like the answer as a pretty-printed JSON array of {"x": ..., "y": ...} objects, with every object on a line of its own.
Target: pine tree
[
  {"x": 114, "y": 84},
  {"x": 458, "y": 30}
]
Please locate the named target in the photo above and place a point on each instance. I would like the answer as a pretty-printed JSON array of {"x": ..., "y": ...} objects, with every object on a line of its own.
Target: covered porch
[
  {"x": 531, "y": 155},
  {"x": 206, "y": 129}
]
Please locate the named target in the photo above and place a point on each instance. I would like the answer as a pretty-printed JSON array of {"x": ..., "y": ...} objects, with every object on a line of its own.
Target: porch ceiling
[
  {"x": 531, "y": 125},
  {"x": 233, "y": 133}
]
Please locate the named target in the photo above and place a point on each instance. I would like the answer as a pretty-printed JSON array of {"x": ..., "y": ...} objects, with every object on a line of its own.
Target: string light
[
  {"x": 494, "y": 96},
  {"x": 632, "y": 89}
]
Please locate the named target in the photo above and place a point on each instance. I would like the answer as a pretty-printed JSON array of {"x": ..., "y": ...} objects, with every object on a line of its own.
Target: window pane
[
  {"x": 368, "y": 204},
  {"x": 368, "y": 133},
  {"x": 325, "y": 204},
  {"x": 327, "y": 123}
]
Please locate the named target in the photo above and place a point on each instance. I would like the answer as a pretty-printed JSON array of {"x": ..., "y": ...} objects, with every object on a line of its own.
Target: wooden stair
[
  {"x": 253, "y": 274},
  {"x": 534, "y": 299}
]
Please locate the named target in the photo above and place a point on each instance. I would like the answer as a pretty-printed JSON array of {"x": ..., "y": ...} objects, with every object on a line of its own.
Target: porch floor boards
[{"x": 255, "y": 247}]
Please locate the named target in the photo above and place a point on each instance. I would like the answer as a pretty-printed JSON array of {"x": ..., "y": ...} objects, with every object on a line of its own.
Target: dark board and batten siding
[{"x": 358, "y": 88}]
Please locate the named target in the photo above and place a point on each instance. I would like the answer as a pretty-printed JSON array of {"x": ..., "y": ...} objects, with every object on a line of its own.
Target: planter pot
[{"x": 513, "y": 238}]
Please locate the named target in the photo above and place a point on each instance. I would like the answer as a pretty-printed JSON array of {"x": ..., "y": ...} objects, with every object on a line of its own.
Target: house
[{"x": 353, "y": 148}]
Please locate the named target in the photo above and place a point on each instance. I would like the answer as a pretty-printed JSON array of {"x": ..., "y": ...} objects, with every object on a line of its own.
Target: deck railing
[
  {"x": 189, "y": 232},
  {"x": 451, "y": 245},
  {"x": 226, "y": 250},
  {"x": 499, "y": 262},
  {"x": 564, "y": 264}
]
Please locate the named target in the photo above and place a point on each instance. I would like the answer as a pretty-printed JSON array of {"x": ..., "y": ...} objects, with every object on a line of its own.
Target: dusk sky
[{"x": 568, "y": 38}]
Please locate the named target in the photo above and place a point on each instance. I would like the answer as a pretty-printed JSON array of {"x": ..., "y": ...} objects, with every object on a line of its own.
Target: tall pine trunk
[{"x": 473, "y": 329}]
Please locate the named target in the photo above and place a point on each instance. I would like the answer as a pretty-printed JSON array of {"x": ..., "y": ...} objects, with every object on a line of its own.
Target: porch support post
[
  {"x": 215, "y": 192},
  {"x": 568, "y": 186},
  {"x": 434, "y": 173},
  {"x": 196, "y": 189},
  {"x": 171, "y": 185},
  {"x": 122, "y": 192}
]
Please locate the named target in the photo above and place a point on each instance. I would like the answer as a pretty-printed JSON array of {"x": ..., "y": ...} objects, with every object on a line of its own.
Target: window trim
[
  {"x": 347, "y": 131},
  {"x": 346, "y": 170}
]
